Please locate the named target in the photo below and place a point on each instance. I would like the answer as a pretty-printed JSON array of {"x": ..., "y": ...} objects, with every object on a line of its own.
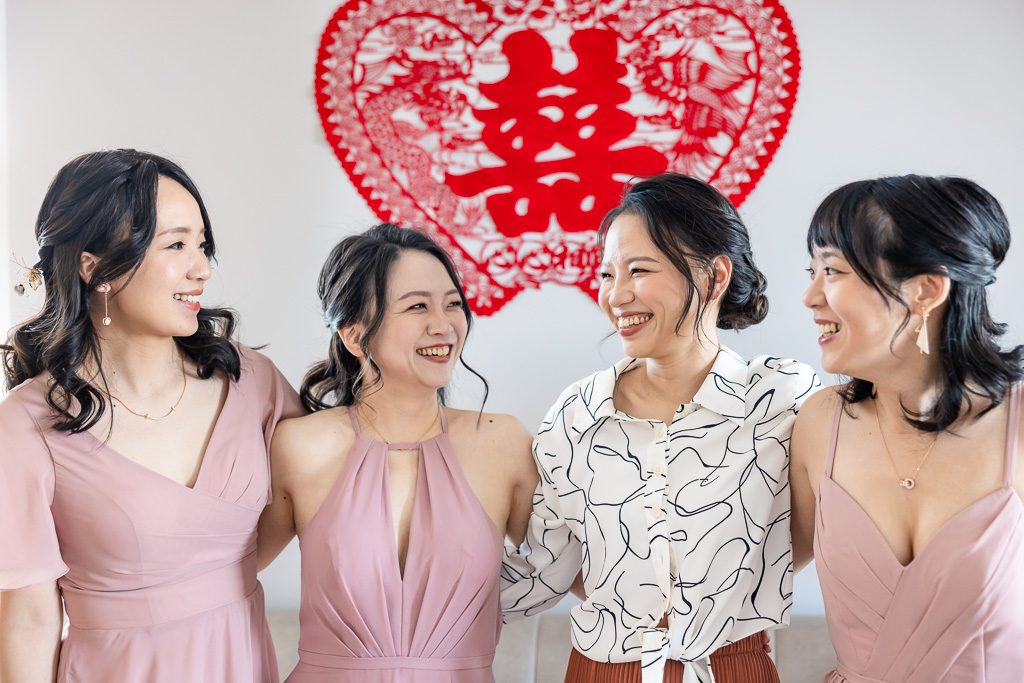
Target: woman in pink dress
[
  {"x": 905, "y": 479},
  {"x": 134, "y": 461},
  {"x": 401, "y": 504}
]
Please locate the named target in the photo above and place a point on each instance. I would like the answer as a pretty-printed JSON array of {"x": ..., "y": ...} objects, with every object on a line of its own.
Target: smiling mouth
[
  {"x": 633, "y": 321},
  {"x": 829, "y": 330},
  {"x": 188, "y": 298},
  {"x": 435, "y": 351}
]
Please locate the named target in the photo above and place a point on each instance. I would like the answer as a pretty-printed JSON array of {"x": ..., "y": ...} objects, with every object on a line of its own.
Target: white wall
[
  {"x": 5, "y": 183},
  {"x": 929, "y": 86}
]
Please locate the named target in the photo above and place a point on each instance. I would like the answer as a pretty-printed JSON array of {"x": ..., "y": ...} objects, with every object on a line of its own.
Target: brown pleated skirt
[{"x": 742, "y": 662}]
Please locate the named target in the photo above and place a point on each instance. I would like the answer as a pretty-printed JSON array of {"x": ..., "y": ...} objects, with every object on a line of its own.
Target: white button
[
  {"x": 661, "y": 431},
  {"x": 659, "y": 469},
  {"x": 656, "y": 512}
]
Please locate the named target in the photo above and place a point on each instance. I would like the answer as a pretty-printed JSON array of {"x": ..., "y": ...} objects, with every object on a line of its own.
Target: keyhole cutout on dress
[{"x": 403, "y": 478}]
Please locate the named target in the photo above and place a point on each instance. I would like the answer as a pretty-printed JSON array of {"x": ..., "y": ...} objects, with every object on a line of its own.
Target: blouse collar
[{"x": 723, "y": 391}]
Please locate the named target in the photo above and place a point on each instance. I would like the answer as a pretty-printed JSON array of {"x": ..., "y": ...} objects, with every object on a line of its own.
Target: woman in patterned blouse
[{"x": 663, "y": 478}]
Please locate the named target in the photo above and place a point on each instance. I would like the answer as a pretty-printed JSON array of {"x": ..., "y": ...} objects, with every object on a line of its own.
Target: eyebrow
[
  {"x": 408, "y": 295},
  {"x": 637, "y": 259},
  {"x": 174, "y": 231},
  {"x": 828, "y": 251}
]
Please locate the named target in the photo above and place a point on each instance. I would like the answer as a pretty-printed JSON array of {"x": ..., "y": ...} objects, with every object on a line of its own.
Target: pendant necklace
[{"x": 908, "y": 482}]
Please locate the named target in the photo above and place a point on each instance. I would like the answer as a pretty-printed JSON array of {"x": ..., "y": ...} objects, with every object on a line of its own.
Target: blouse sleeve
[
  {"x": 777, "y": 389},
  {"x": 774, "y": 396},
  {"x": 29, "y": 550},
  {"x": 535, "y": 576}
]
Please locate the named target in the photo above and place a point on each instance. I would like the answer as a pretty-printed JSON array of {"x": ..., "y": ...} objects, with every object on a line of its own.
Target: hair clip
[{"x": 33, "y": 276}]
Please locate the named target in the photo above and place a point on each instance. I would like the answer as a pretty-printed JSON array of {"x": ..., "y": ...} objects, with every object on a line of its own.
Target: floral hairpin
[{"x": 33, "y": 276}]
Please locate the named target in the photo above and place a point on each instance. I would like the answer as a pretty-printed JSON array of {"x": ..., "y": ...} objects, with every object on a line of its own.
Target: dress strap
[
  {"x": 833, "y": 437},
  {"x": 355, "y": 419},
  {"x": 1012, "y": 434},
  {"x": 444, "y": 420}
]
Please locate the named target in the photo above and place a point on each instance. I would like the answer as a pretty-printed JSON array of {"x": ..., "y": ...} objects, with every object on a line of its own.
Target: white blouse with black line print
[{"x": 688, "y": 521}]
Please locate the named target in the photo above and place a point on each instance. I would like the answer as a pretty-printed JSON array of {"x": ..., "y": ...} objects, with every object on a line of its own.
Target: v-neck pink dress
[
  {"x": 360, "y": 620},
  {"x": 158, "y": 579},
  {"x": 955, "y": 613}
]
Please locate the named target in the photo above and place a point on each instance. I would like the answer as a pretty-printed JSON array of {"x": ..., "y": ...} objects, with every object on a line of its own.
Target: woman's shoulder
[
  {"x": 306, "y": 439},
  {"x": 784, "y": 378},
  {"x": 252, "y": 360},
  {"x": 813, "y": 426},
  {"x": 258, "y": 368},
  {"x": 818, "y": 411},
  {"x": 502, "y": 439},
  {"x": 24, "y": 415},
  {"x": 330, "y": 426},
  {"x": 497, "y": 427},
  {"x": 25, "y": 402},
  {"x": 592, "y": 394}
]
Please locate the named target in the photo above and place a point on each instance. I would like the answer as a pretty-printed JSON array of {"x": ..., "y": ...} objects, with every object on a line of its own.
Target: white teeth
[
  {"x": 830, "y": 328},
  {"x": 435, "y": 351},
  {"x": 190, "y": 298},
  {"x": 633, "y": 320}
]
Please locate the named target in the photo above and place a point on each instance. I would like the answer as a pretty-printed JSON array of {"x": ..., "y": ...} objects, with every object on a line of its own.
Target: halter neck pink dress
[
  {"x": 360, "y": 620},
  {"x": 955, "y": 613},
  {"x": 158, "y": 579}
]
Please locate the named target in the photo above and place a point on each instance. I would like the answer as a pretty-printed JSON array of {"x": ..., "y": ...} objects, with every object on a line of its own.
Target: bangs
[{"x": 851, "y": 221}]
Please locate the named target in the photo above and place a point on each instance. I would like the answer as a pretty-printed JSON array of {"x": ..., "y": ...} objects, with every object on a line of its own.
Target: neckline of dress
[{"x": 398, "y": 445}]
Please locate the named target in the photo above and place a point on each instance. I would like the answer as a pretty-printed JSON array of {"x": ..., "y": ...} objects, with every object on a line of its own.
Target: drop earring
[
  {"x": 922, "y": 333},
  {"x": 104, "y": 289}
]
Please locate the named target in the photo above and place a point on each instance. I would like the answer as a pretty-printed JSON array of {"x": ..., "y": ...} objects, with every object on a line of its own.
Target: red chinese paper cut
[{"x": 506, "y": 130}]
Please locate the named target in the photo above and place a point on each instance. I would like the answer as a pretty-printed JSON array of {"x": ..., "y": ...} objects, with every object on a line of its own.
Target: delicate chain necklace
[
  {"x": 909, "y": 482},
  {"x": 184, "y": 383},
  {"x": 426, "y": 431}
]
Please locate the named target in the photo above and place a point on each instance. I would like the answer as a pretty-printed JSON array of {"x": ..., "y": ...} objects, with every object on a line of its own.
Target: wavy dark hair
[
  {"x": 892, "y": 229},
  {"x": 103, "y": 203},
  {"x": 353, "y": 288},
  {"x": 688, "y": 220}
]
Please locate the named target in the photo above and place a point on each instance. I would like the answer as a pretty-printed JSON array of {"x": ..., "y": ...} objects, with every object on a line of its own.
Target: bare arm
[
  {"x": 807, "y": 456},
  {"x": 524, "y": 478},
  {"x": 277, "y": 523},
  {"x": 577, "y": 588},
  {"x": 31, "y": 620}
]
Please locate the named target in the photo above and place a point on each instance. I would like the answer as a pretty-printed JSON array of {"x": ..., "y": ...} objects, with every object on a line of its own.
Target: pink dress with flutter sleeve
[{"x": 158, "y": 580}]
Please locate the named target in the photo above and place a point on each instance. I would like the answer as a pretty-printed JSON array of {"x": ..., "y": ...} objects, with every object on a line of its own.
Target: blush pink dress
[
  {"x": 955, "y": 613},
  {"x": 361, "y": 620},
  {"x": 158, "y": 579}
]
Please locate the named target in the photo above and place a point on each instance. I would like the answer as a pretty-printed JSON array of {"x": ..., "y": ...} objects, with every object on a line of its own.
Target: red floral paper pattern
[{"x": 506, "y": 130}]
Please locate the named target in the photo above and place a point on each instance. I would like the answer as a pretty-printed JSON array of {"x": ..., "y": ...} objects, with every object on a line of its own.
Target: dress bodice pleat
[
  {"x": 952, "y": 614},
  {"x": 359, "y": 614}
]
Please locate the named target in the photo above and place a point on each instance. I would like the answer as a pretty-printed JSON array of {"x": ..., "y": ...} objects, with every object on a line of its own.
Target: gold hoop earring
[
  {"x": 922, "y": 333},
  {"x": 105, "y": 290}
]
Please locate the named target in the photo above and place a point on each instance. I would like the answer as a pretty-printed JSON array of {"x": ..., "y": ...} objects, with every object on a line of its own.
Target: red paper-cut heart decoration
[{"x": 506, "y": 130}]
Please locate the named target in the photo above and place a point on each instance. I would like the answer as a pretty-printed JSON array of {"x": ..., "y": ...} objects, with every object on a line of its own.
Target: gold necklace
[
  {"x": 184, "y": 384},
  {"x": 425, "y": 432},
  {"x": 909, "y": 482}
]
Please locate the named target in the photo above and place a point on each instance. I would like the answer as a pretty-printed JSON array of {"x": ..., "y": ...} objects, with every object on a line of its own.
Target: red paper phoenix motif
[{"x": 506, "y": 130}]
